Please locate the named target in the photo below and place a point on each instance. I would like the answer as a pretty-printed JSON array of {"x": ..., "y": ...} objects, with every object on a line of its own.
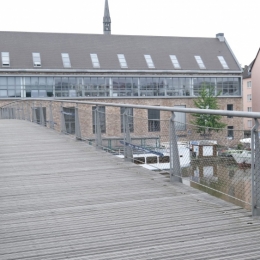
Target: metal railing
[{"x": 219, "y": 161}]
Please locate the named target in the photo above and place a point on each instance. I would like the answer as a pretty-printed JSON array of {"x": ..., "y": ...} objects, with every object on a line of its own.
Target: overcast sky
[{"x": 238, "y": 19}]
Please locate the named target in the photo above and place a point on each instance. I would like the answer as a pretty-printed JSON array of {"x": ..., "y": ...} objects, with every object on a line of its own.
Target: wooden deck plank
[{"x": 63, "y": 199}]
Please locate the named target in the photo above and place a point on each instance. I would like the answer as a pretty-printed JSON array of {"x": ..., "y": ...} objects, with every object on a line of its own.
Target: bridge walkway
[{"x": 62, "y": 199}]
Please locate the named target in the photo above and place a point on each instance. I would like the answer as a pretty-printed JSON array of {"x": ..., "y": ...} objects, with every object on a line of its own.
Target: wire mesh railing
[{"x": 219, "y": 161}]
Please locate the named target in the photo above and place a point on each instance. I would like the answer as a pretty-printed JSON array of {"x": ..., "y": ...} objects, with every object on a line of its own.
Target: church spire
[{"x": 106, "y": 20}]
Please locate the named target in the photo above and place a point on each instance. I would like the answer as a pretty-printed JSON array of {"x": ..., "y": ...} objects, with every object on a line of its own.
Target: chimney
[{"x": 221, "y": 37}]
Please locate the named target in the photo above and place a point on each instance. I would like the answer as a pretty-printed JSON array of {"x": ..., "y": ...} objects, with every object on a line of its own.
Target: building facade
[
  {"x": 255, "y": 72},
  {"x": 247, "y": 98},
  {"x": 152, "y": 70}
]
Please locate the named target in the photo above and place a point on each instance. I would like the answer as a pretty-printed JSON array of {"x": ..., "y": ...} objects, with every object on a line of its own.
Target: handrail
[{"x": 162, "y": 108}]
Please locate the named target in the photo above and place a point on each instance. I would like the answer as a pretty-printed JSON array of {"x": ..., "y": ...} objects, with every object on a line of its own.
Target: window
[
  {"x": 69, "y": 118},
  {"x": 249, "y": 123},
  {"x": 5, "y": 59},
  {"x": 130, "y": 119},
  {"x": 249, "y": 84},
  {"x": 249, "y": 109},
  {"x": 230, "y": 132},
  {"x": 175, "y": 62},
  {"x": 153, "y": 120},
  {"x": 102, "y": 117},
  {"x": 223, "y": 62},
  {"x": 149, "y": 61},
  {"x": 36, "y": 59},
  {"x": 230, "y": 108},
  {"x": 66, "y": 60},
  {"x": 95, "y": 61},
  {"x": 200, "y": 62},
  {"x": 122, "y": 61},
  {"x": 249, "y": 97}
]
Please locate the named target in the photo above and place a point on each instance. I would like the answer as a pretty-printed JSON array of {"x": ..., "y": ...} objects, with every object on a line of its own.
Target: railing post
[
  {"x": 42, "y": 121},
  {"x": 98, "y": 128},
  {"x": 255, "y": 168},
  {"x": 51, "y": 116},
  {"x": 62, "y": 119},
  {"x": 128, "y": 153},
  {"x": 77, "y": 123},
  {"x": 175, "y": 167}
]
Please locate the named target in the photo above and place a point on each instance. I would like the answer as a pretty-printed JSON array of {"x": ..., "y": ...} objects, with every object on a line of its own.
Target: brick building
[{"x": 152, "y": 70}]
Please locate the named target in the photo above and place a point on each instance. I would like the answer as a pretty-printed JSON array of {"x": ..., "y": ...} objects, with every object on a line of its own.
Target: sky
[{"x": 237, "y": 19}]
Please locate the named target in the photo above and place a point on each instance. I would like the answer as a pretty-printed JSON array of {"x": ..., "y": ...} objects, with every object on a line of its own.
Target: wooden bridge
[{"x": 62, "y": 199}]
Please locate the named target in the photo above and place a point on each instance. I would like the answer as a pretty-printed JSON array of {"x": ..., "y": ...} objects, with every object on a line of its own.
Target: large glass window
[
  {"x": 136, "y": 89},
  {"x": 3, "y": 87},
  {"x": 150, "y": 88},
  {"x": 129, "y": 87},
  {"x": 143, "y": 86},
  {"x": 153, "y": 120},
  {"x": 119, "y": 86}
]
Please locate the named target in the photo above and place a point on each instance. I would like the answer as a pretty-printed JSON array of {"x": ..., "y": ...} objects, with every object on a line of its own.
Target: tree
[{"x": 207, "y": 99}]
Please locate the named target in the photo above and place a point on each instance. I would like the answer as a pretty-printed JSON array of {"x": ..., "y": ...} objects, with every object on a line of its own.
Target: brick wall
[{"x": 113, "y": 122}]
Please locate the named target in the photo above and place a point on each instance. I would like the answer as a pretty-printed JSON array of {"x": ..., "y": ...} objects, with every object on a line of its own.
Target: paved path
[{"x": 62, "y": 199}]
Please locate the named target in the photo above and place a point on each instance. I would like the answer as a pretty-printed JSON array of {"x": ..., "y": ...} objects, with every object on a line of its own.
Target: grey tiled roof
[{"x": 20, "y": 45}]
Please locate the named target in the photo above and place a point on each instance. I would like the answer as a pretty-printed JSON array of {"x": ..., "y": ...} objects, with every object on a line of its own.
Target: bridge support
[
  {"x": 255, "y": 168},
  {"x": 175, "y": 167}
]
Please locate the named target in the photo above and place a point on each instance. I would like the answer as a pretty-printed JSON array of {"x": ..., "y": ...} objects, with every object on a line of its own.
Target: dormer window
[
  {"x": 66, "y": 60},
  {"x": 149, "y": 61},
  {"x": 95, "y": 61},
  {"x": 122, "y": 60},
  {"x": 36, "y": 59},
  {"x": 175, "y": 62},
  {"x": 5, "y": 59},
  {"x": 200, "y": 62},
  {"x": 223, "y": 62}
]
